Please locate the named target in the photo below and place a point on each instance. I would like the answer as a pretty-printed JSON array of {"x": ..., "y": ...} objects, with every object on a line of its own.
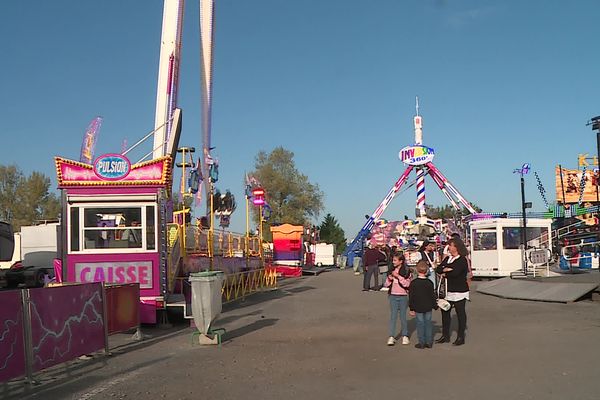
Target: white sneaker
[
  {"x": 384, "y": 289},
  {"x": 391, "y": 341},
  {"x": 357, "y": 273},
  {"x": 405, "y": 340}
]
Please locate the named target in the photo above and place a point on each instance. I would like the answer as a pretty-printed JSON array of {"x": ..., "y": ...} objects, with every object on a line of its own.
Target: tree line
[{"x": 26, "y": 199}]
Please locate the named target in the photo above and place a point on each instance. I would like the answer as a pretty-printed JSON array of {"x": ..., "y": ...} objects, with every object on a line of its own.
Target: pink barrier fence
[
  {"x": 60, "y": 323},
  {"x": 122, "y": 307},
  {"x": 12, "y": 346},
  {"x": 66, "y": 322}
]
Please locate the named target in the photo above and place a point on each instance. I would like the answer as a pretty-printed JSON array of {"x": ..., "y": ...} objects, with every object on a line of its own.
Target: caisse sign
[
  {"x": 416, "y": 155},
  {"x": 112, "y": 167},
  {"x": 117, "y": 272}
]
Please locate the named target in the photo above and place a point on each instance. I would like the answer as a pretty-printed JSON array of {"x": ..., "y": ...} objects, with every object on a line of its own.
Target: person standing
[
  {"x": 421, "y": 302},
  {"x": 428, "y": 254},
  {"x": 371, "y": 259},
  {"x": 398, "y": 282},
  {"x": 454, "y": 269}
]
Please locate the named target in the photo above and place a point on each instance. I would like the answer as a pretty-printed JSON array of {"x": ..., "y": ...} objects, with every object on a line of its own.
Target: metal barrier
[
  {"x": 241, "y": 284},
  {"x": 122, "y": 307},
  {"x": 587, "y": 252},
  {"x": 48, "y": 326},
  {"x": 220, "y": 243}
]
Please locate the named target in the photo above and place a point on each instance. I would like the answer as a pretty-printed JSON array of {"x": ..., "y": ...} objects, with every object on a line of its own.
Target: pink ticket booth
[{"x": 114, "y": 213}]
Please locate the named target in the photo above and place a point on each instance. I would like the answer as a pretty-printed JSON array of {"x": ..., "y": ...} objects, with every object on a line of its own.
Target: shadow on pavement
[
  {"x": 51, "y": 383},
  {"x": 254, "y": 326}
]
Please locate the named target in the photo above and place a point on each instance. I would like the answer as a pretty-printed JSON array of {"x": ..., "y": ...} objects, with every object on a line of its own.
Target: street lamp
[
  {"x": 523, "y": 171},
  {"x": 258, "y": 199}
]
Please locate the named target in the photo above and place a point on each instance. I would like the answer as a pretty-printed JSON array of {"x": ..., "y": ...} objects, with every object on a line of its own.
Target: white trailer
[
  {"x": 324, "y": 254},
  {"x": 496, "y": 244}
]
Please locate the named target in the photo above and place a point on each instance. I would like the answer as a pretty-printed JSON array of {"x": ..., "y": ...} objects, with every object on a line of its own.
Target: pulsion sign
[
  {"x": 117, "y": 272},
  {"x": 416, "y": 155},
  {"x": 112, "y": 166}
]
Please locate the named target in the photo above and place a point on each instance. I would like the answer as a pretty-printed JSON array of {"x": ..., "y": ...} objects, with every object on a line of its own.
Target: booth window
[
  {"x": 511, "y": 237},
  {"x": 150, "y": 233},
  {"x": 484, "y": 240},
  {"x": 75, "y": 229},
  {"x": 112, "y": 228}
]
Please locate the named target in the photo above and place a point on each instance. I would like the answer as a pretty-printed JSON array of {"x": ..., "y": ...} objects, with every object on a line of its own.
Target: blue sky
[{"x": 500, "y": 83}]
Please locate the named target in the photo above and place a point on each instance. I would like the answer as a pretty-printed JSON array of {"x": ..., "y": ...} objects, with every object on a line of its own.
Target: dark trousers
[
  {"x": 461, "y": 313},
  {"x": 371, "y": 270}
]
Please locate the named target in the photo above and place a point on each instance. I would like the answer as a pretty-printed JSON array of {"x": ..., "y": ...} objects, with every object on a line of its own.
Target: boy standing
[{"x": 421, "y": 301}]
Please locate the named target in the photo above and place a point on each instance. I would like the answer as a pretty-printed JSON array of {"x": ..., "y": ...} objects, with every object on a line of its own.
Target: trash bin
[{"x": 206, "y": 298}]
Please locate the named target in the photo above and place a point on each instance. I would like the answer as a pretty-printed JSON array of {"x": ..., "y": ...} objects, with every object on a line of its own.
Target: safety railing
[
  {"x": 220, "y": 243},
  {"x": 560, "y": 232},
  {"x": 580, "y": 255},
  {"x": 241, "y": 284}
]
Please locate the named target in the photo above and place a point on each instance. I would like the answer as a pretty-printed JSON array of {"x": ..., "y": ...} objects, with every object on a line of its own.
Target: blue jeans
[
  {"x": 424, "y": 328},
  {"x": 398, "y": 304}
]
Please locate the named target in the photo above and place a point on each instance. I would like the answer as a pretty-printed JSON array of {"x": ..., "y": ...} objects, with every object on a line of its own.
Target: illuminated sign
[
  {"x": 258, "y": 196},
  {"x": 583, "y": 160},
  {"x": 117, "y": 272},
  {"x": 112, "y": 167},
  {"x": 156, "y": 172},
  {"x": 416, "y": 155}
]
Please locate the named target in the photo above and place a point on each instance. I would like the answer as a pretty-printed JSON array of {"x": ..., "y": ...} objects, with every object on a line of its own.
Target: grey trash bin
[{"x": 206, "y": 298}]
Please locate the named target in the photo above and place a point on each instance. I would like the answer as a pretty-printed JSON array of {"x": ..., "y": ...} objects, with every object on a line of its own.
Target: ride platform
[{"x": 562, "y": 289}]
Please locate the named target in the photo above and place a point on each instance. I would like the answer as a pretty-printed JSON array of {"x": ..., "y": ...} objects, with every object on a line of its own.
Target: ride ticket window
[{"x": 112, "y": 229}]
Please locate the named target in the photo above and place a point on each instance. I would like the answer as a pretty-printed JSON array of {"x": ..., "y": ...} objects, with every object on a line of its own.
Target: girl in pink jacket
[{"x": 398, "y": 282}]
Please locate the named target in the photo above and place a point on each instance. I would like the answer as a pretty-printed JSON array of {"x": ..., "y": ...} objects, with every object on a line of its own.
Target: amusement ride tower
[{"x": 418, "y": 157}]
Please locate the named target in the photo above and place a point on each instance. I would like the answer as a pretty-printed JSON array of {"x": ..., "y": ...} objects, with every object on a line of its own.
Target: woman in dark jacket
[{"x": 454, "y": 269}]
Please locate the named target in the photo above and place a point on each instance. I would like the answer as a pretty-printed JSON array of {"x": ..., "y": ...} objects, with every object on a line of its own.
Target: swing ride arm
[
  {"x": 356, "y": 244},
  {"x": 446, "y": 186}
]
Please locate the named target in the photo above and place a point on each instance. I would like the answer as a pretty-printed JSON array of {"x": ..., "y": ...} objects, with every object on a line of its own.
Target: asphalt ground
[{"x": 321, "y": 337}]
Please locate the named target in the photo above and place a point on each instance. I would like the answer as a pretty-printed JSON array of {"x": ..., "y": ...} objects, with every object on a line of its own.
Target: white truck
[{"x": 28, "y": 256}]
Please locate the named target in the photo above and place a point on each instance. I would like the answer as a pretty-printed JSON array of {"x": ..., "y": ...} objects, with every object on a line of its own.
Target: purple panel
[
  {"x": 66, "y": 322},
  {"x": 12, "y": 347}
]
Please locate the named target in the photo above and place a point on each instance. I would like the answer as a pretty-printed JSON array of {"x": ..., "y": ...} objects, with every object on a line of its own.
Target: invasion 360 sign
[{"x": 416, "y": 155}]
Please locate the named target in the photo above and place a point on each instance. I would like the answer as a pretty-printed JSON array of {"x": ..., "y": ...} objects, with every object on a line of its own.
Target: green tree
[
  {"x": 26, "y": 199},
  {"x": 332, "y": 232},
  {"x": 292, "y": 198},
  {"x": 446, "y": 211}
]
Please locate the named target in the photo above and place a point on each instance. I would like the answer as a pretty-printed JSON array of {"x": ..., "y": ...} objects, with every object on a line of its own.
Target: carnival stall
[{"x": 114, "y": 213}]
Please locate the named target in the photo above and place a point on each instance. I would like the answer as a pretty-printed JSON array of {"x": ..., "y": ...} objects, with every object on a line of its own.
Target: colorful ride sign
[
  {"x": 416, "y": 155},
  {"x": 113, "y": 170},
  {"x": 112, "y": 167}
]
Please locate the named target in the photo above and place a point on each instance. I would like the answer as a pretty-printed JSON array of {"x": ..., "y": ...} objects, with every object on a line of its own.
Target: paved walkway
[{"x": 322, "y": 338}]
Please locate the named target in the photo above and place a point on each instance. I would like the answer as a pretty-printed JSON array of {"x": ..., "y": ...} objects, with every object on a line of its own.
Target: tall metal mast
[
  {"x": 168, "y": 74},
  {"x": 206, "y": 58}
]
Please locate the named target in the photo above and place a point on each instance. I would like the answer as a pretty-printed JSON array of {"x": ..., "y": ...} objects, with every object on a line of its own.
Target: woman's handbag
[{"x": 441, "y": 293}]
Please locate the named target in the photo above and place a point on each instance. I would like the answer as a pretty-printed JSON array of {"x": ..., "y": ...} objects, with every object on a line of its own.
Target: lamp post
[
  {"x": 183, "y": 165},
  {"x": 523, "y": 171},
  {"x": 258, "y": 199}
]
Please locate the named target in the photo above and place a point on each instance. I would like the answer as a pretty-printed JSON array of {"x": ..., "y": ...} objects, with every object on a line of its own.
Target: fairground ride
[{"x": 419, "y": 158}]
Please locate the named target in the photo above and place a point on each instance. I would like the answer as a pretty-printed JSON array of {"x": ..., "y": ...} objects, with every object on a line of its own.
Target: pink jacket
[{"x": 394, "y": 281}]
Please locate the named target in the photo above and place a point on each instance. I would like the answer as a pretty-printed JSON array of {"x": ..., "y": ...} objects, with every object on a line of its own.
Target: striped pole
[{"x": 421, "y": 191}]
